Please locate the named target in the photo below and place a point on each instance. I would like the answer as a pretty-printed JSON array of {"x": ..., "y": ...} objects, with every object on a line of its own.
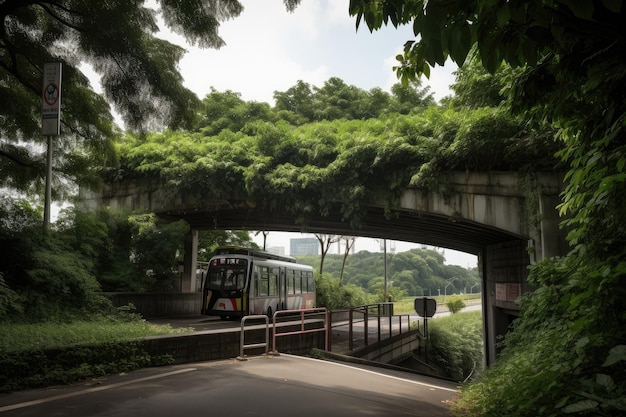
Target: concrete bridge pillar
[
  {"x": 190, "y": 262},
  {"x": 553, "y": 238},
  {"x": 505, "y": 273}
]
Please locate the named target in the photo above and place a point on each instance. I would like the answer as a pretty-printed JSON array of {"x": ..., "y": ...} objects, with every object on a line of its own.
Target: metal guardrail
[
  {"x": 243, "y": 346},
  {"x": 382, "y": 312},
  {"x": 302, "y": 313}
]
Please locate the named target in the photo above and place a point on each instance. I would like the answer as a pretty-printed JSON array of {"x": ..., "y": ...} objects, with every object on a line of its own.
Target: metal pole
[
  {"x": 350, "y": 321},
  {"x": 385, "y": 262},
  {"x": 48, "y": 197}
]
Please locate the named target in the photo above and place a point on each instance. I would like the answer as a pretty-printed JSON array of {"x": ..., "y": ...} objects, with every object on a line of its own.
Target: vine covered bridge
[{"x": 508, "y": 219}]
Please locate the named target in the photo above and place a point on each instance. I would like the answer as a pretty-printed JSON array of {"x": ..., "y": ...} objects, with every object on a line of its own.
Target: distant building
[
  {"x": 276, "y": 250},
  {"x": 304, "y": 246}
]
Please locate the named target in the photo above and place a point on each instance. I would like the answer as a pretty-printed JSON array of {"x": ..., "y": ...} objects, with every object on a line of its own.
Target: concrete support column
[
  {"x": 190, "y": 262},
  {"x": 553, "y": 242}
]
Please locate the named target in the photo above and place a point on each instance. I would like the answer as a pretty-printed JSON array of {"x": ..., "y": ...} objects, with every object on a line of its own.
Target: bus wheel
[{"x": 269, "y": 312}]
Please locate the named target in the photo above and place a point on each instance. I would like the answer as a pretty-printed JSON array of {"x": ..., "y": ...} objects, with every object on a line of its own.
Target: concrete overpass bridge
[{"x": 509, "y": 220}]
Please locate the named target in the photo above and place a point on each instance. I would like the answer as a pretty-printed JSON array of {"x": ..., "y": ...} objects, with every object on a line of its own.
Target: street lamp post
[
  {"x": 470, "y": 291},
  {"x": 445, "y": 290}
]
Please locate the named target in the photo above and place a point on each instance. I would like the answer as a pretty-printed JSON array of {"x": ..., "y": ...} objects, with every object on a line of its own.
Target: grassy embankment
[
  {"x": 22, "y": 337},
  {"x": 43, "y": 354},
  {"x": 405, "y": 305}
]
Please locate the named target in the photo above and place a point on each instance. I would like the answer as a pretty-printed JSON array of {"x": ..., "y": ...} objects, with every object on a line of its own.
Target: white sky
[{"x": 268, "y": 49}]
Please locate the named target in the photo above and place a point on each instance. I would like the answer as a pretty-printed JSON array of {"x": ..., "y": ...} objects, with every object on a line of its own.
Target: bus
[{"x": 241, "y": 282}]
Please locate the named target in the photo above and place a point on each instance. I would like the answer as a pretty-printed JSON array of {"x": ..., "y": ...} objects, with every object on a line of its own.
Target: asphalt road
[{"x": 281, "y": 386}]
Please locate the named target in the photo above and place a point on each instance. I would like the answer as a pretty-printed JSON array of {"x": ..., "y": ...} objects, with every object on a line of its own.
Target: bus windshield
[{"x": 227, "y": 274}]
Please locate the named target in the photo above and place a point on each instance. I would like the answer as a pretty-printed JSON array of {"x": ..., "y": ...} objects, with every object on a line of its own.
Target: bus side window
[
  {"x": 310, "y": 282},
  {"x": 290, "y": 281},
  {"x": 264, "y": 281},
  {"x": 273, "y": 277},
  {"x": 298, "y": 282}
]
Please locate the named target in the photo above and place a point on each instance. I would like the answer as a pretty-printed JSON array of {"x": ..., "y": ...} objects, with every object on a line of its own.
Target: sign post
[
  {"x": 50, "y": 124},
  {"x": 425, "y": 307}
]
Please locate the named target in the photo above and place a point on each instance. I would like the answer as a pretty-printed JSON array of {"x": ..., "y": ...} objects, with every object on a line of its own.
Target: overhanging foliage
[{"x": 317, "y": 167}]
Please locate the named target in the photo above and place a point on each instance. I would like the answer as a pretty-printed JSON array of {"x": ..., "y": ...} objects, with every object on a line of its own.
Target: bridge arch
[{"x": 507, "y": 219}]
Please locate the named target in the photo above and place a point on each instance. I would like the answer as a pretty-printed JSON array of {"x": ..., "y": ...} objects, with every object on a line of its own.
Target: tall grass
[
  {"x": 405, "y": 305},
  {"x": 23, "y": 337},
  {"x": 455, "y": 344}
]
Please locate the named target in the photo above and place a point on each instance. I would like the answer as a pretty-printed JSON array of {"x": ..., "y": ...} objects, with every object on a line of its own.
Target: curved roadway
[{"x": 276, "y": 386}]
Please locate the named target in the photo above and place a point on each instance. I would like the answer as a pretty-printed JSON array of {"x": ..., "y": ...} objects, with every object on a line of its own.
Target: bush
[
  {"x": 38, "y": 368},
  {"x": 455, "y": 305},
  {"x": 333, "y": 295},
  {"x": 455, "y": 345},
  {"x": 559, "y": 358}
]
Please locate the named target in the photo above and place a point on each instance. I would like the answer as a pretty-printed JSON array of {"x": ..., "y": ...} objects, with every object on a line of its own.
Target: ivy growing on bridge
[{"x": 342, "y": 164}]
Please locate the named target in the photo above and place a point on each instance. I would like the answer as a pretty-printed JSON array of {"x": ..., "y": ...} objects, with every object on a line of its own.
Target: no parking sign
[{"x": 51, "y": 106}]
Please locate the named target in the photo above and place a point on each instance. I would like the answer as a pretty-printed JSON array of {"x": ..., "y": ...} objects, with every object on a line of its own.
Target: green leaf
[
  {"x": 580, "y": 406},
  {"x": 503, "y": 15},
  {"x": 582, "y": 9},
  {"x": 605, "y": 381},
  {"x": 616, "y": 354},
  {"x": 583, "y": 341}
]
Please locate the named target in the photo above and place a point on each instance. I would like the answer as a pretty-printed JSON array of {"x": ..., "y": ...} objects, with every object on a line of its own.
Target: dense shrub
[
  {"x": 455, "y": 345},
  {"x": 38, "y": 368},
  {"x": 455, "y": 304},
  {"x": 556, "y": 360},
  {"x": 333, "y": 295}
]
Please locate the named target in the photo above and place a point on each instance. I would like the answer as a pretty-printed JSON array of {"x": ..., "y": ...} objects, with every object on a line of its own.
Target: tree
[
  {"x": 348, "y": 245},
  {"x": 475, "y": 87},
  {"x": 326, "y": 242},
  {"x": 297, "y": 99},
  {"x": 138, "y": 70},
  {"x": 210, "y": 240},
  {"x": 412, "y": 96},
  {"x": 221, "y": 111},
  {"x": 572, "y": 56}
]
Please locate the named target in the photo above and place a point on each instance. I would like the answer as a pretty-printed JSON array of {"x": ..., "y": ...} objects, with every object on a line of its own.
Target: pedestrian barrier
[
  {"x": 307, "y": 312},
  {"x": 243, "y": 346},
  {"x": 386, "y": 323}
]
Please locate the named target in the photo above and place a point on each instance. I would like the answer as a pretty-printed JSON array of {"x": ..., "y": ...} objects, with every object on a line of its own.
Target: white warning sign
[{"x": 51, "y": 106}]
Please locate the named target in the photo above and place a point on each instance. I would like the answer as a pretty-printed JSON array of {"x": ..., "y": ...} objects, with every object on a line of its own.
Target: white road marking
[
  {"x": 379, "y": 374},
  {"x": 90, "y": 390}
]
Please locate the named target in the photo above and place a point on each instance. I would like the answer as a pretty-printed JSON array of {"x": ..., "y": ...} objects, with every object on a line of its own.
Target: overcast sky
[{"x": 268, "y": 49}]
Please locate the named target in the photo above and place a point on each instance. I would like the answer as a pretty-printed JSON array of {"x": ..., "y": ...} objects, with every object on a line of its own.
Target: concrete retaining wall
[
  {"x": 151, "y": 305},
  {"x": 206, "y": 346},
  {"x": 392, "y": 350}
]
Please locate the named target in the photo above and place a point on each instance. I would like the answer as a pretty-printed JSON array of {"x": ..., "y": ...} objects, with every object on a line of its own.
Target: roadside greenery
[
  {"x": 455, "y": 304},
  {"x": 406, "y": 305},
  {"x": 100, "y": 329},
  {"x": 564, "y": 355},
  {"x": 42, "y": 354},
  {"x": 455, "y": 345}
]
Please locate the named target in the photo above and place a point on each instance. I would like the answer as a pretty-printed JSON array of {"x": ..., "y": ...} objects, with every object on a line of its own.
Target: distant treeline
[{"x": 417, "y": 272}]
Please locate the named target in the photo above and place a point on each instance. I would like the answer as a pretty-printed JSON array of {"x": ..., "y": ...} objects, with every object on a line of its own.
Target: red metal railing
[{"x": 306, "y": 315}]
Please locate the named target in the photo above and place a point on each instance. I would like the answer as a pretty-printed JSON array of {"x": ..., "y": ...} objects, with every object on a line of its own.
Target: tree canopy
[
  {"x": 138, "y": 73},
  {"x": 571, "y": 57},
  {"x": 417, "y": 272}
]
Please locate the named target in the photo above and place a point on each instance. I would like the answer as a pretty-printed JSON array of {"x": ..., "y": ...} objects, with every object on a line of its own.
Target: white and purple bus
[{"x": 241, "y": 282}]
